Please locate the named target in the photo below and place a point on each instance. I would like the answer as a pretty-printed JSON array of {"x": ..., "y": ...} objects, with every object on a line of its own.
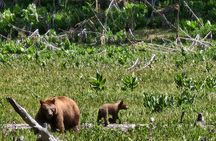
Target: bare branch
[
  {"x": 19, "y": 29},
  {"x": 35, "y": 33},
  {"x": 150, "y": 61},
  {"x": 4, "y": 37},
  {"x": 161, "y": 14},
  {"x": 207, "y": 35},
  {"x": 188, "y": 7},
  {"x": 45, "y": 135},
  {"x": 135, "y": 65},
  {"x": 153, "y": 58}
]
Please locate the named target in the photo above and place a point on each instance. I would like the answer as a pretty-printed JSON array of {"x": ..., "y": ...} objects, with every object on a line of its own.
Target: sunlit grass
[{"x": 28, "y": 81}]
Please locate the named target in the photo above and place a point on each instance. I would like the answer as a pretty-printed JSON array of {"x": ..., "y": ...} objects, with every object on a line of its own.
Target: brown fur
[
  {"x": 110, "y": 109},
  {"x": 61, "y": 112}
]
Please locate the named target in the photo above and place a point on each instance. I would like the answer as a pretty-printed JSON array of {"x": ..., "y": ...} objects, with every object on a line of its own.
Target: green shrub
[
  {"x": 182, "y": 81},
  {"x": 158, "y": 102},
  {"x": 98, "y": 82},
  {"x": 195, "y": 28},
  {"x": 185, "y": 97},
  {"x": 6, "y": 19},
  {"x": 130, "y": 82},
  {"x": 132, "y": 14}
]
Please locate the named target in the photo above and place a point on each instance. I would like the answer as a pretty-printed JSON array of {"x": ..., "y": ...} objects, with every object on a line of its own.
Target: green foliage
[
  {"x": 71, "y": 15},
  {"x": 38, "y": 72},
  {"x": 3, "y": 58},
  {"x": 182, "y": 81},
  {"x": 157, "y": 103},
  {"x": 130, "y": 82},
  {"x": 186, "y": 97},
  {"x": 6, "y": 18},
  {"x": 179, "y": 80},
  {"x": 98, "y": 82},
  {"x": 180, "y": 62},
  {"x": 12, "y": 47},
  {"x": 132, "y": 14},
  {"x": 31, "y": 70},
  {"x": 195, "y": 28},
  {"x": 118, "y": 37},
  {"x": 210, "y": 82},
  {"x": 206, "y": 9},
  {"x": 30, "y": 15}
]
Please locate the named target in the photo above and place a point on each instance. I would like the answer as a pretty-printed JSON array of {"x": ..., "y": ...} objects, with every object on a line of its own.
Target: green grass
[{"x": 68, "y": 73}]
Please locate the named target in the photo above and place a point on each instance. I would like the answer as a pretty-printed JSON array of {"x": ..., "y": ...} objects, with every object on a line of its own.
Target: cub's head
[
  {"x": 122, "y": 105},
  {"x": 48, "y": 108}
]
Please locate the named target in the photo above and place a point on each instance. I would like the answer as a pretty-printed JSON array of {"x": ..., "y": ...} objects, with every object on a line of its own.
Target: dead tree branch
[
  {"x": 44, "y": 133},
  {"x": 150, "y": 61},
  {"x": 4, "y": 37},
  {"x": 153, "y": 58},
  {"x": 35, "y": 33},
  {"x": 162, "y": 15},
  {"x": 188, "y": 7},
  {"x": 135, "y": 65}
]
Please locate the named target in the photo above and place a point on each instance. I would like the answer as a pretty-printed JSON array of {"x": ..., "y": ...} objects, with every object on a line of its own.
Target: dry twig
[
  {"x": 135, "y": 65},
  {"x": 153, "y": 58}
]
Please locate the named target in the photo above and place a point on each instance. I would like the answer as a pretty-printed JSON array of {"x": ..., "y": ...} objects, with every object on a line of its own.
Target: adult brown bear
[{"x": 60, "y": 112}]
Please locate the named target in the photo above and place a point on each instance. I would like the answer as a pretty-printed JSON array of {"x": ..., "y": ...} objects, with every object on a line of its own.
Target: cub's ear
[{"x": 121, "y": 102}]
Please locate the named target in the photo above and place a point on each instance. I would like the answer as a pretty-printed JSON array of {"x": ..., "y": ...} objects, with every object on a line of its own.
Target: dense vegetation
[{"x": 43, "y": 52}]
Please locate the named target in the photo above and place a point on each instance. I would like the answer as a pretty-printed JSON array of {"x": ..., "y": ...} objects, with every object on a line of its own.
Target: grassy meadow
[{"x": 175, "y": 82}]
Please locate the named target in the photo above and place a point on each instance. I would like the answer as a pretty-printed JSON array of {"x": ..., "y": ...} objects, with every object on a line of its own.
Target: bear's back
[
  {"x": 112, "y": 108},
  {"x": 66, "y": 103}
]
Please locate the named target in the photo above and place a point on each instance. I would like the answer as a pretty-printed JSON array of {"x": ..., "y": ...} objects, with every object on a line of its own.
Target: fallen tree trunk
[
  {"x": 43, "y": 132},
  {"x": 123, "y": 127}
]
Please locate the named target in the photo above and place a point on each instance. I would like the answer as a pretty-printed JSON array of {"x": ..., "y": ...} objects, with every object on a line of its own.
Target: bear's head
[
  {"x": 122, "y": 105},
  {"x": 48, "y": 108}
]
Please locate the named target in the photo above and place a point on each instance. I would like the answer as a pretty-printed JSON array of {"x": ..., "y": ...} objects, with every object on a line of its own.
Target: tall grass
[{"x": 69, "y": 73}]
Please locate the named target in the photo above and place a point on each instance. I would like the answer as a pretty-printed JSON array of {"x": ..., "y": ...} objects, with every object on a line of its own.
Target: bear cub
[
  {"x": 60, "y": 112},
  {"x": 110, "y": 109}
]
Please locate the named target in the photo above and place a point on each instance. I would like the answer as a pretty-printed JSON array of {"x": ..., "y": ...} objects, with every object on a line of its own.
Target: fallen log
[{"x": 123, "y": 127}]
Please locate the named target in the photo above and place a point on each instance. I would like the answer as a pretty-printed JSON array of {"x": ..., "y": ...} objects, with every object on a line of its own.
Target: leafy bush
[
  {"x": 210, "y": 82},
  {"x": 30, "y": 15},
  {"x": 70, "y": 16},
  {"x": 6, "y": 18},
  {"x": 211, "y": 53},
  {"x": 195, "y": 28},
  {"x": 182, "y": 81},
  {"x": 185, "y": 98},
  {"x": 130, "y": 82},
  {"x": 132, "y": 14},
  {"x": 204, "y": 9},
  {"x": 98, "y": 82},
  {"x": 158, "y": 103}
]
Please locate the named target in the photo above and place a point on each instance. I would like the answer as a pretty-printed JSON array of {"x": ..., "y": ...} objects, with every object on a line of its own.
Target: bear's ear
[
  {"x": 121, "y": 102},
  {"x": 41, "y": 102},
  {"x": 53, "y": 100}
]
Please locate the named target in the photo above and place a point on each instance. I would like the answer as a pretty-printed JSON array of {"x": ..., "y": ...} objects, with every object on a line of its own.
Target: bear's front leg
[
  {"x": 60, "y": 124},
  {"x": 114, "y": 117},
  {"x": 105, "y": 120}
]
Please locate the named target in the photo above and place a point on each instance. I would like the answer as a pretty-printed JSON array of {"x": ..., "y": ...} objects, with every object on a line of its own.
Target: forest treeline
[{"x": 112, "y": 17}]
